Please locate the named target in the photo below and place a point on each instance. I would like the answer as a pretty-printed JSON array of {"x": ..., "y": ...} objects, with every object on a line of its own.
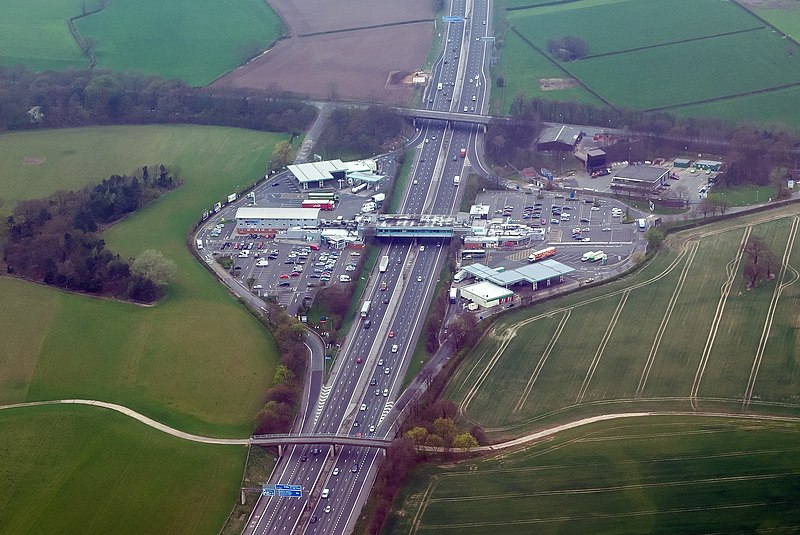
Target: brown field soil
[
  {"x": 353, "y": 62},
  {"x": 358, "y": 65},
  {"x": 554, "y": 84},
  {"x": 312, "y": 16}
]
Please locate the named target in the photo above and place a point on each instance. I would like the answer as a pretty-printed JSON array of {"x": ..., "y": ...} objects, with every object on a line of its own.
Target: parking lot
[
  {"x": 285, "y": 270},
  {"x": 574, "y": 226}
]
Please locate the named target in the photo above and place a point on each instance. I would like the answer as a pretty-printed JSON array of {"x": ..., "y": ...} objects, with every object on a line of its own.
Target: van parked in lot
[{"x": 344, "y": 278}]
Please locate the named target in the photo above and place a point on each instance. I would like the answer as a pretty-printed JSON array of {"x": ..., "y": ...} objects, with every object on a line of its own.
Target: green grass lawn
[
  {"x": 623, "y": 25},
  {"x": 176, "y": 362},
  {"x": 71, "y": 469},
  {"x": 645, "y": 475},
  {"x": 642, "y": 339},
  {"x": 697, "y": 70},
  {"x": 196, "y": 41},
  {"x": 35, "y": 33}
]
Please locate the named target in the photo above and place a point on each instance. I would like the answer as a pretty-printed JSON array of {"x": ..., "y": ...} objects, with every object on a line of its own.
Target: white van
[
  {"x": 244, "y": 254},
  {"x": 200, "y": 244},
  {"x": 325, "y": 494},
  {"x": 344, "y": 278}
]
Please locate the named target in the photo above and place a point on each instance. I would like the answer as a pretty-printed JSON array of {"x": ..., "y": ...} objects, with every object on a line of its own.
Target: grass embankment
[
  {"x": 401, "y": 182},
  {"x": 680, "y": 325},
  {"x": 174, "y": 362},
  {"x": 71, "y": 469},
  {"x": 644, "y": 475}
]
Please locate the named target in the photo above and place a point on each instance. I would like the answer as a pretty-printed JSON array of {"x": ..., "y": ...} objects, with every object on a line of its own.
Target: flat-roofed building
[
  {"x": 268, "y": 221},
  {"x": 641, "y": 181},
  {"x": 486, "y": 294}
]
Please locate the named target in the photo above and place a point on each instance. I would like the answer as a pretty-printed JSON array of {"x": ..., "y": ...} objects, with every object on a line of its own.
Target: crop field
[
  {"x": 71, "y": 469},
  {"x": 35, "y": 33},
  {"x": 683, "y": 332},
  {"x": 641, "y": 475},
  {"x": 783, "y": 15},
  {"x": 681, "y": 55},
  {"x": 195, "y": 41},
  {"x": 174, "y": 362}
]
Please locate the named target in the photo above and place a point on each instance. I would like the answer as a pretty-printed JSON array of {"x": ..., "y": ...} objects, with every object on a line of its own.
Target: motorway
[{"x": 369, "y": 372}]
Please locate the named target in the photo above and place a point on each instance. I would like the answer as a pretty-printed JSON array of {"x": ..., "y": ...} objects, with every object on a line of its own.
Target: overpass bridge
[
  {"x": 319, "y": 438},
  {"x": 415, "y": 226},
  {"x": 450, "y": 117}
]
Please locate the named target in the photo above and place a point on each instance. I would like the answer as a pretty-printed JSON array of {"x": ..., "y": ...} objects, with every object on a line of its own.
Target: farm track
[
  {"x": 731, "y": 269},
  {"x": 539, "y": 365},
  {"x": 602, "y": 347},
  {"x": 773, "y": 305},
  {"x": 662, "y": 328}
]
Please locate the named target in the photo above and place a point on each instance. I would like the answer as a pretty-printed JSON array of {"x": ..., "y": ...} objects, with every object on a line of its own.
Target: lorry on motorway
[
  {"x": 542, "y": 254},
  {"x": 453, "y": 295},
  {"x": 456, "y": 180},
  {"x": 384, "y": 264},
  {"x": 365, "y": 309},
  {"x": 462, "y": 153},
  {"x": 439, "y": 86}
]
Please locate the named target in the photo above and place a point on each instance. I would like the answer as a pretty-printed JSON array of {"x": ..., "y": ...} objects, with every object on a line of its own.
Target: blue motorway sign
[
  {"x": 450, "y": 18},
  {"x": 290, "y": 493},
  {"x": 268, "y": 492}
]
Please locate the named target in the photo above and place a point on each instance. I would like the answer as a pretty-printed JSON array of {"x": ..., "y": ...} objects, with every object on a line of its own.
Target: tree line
[
  {"x": 73, "y": 97},
  {"x": 359, "y": 131},
  {"x": 56, "y": 240}
]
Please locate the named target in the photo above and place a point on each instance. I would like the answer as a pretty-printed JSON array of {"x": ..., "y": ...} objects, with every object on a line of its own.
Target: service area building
[
  {"x": 639, "y": 180},
  {"x": 251, "y": 220},
  {"x": 539, "y": 275},
  {"x": 486, "y": 294}
]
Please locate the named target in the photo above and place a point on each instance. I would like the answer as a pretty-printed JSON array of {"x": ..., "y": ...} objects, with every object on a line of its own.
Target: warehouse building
[
  {"x": 642, "y": 181},
  {"x": 486, "y": 294},
  {"x": 335, "y": 173},
  {"x": 269, "y": 221},
  {"x": 561, "y": 138}
]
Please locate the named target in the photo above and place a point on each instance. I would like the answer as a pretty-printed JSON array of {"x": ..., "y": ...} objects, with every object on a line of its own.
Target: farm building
[
  {"x": 486, "y": 294},
  {"x": 639, "y": 180},
  {"x": 251, "y": 220},
  {"x": 708, "y": 165},
  {"x": 681, "y": 163},
  {"x": 559, "y": 138}
]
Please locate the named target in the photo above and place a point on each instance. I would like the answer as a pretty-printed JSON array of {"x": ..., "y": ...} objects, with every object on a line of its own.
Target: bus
[
  {"x": 323, "y": 195},
  {"x": 316, "y": 203},
  {"x": 642, "y": 225},
  {"x": 365, "y": 309},
  {"x": 542, "y": 254},
  {"x": 473, "y": 253},
  {"x": 360, "y": 187}
]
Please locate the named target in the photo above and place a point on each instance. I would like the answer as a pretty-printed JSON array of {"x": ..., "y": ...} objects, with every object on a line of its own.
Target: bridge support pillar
[
  {"x": 243, "y": 500},
  {"x": 333, "y": 450},
  {"x": 280, "y": 450}
]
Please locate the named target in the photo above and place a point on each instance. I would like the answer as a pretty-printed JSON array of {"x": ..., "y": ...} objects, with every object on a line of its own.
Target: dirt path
[{"x": 136, "y": 416}]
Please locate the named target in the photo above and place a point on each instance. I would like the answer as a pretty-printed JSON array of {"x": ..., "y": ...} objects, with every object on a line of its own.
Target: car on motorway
[
  {"x": 363, "y": 406},
  {"x": 386, "y": 300},
  {"x": 359, "y": 360},
  {"x": 386, "y": 392},
  {"x": 355, "y": 468},
  {"x": 372, "y": 429},
  {"x": 380, "y": 362},
  {"x": 313, "y": 519},
  {"x": 391, "y": 334},
  {"x": 327, "y": 509},
  {"x": 377, "y": 391},
  {"x": 303, "y": 459},
  {"x": 394, "y": 348},
  {"x": 336, "y": 471},
  {"x": 416, "y": 182},
  {"x": 373, "y": 382},
  {"x": 386, "y": 371},
  {"x": 355, "y": 424}
]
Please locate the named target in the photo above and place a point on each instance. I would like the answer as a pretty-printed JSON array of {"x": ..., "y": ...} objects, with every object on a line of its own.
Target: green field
[
  {"x": 643, "y": 340},
  {"x": 196, "y": 41},
  {"x": 176, "y": 362},
  {"x": 682, "y": 55},
  {"x": 35, "y": 33},
  {"x": 785, "y": 17},
  {"x": 70, "y": 469},
  {"x": 642, "y": 475}
]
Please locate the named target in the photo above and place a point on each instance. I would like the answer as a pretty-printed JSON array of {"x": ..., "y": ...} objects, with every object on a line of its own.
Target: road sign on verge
[{"x": 268, "y": 492}]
